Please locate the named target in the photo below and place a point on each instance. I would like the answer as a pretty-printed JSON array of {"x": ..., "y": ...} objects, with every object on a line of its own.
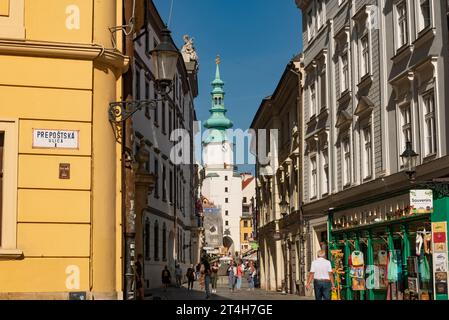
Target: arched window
[
  {"x": 216, "y": 100},
  {"x": 147, "y": 239},
  {"x": 164, "y": 242},
  {"x": 219, "y": 100},
  {"x": 156, "y": 240}
]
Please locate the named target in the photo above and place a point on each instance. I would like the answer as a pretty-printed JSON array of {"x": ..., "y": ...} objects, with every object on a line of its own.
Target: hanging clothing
[
  {"x": 419, "y": 242},
  {"x": 424, "y": 268},
  {"x": 392, "y": 267}
]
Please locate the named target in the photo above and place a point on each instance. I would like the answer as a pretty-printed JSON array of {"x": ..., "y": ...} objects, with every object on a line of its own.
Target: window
[
  {"x": 424, "y": 14},
  {"x": 147, "y": 42},
  {"x": 313, "y": 177},
  {"x": 226, "y": 189},
  {"x": 156, "y": 241},
  {"x": 310, "y": 25},
  {"x": 244, "y": 199},
  {"x": 402, "y": 24},
  {"x": 245, "y": 237},
  {"x": 156, "y": 183},
  {"x": 170, "y": 121},
  {"x": 344, "y": 72},
  {"x": 156, "y": 110},
  {"x": 325, "y": 179},
  {"x": 429, "y": 124},
  {"x": 226, "y": 223},
  {"x": 406, "y": 126},
  {"x": 365, "y": 63},
  {"x": 367, "y": 153},
  {"x": 319, "y": 16},
  {"x": 323, "y": 88},
  {"x": 164, "y": 125},
  {"x": 226, "y": 200},
  {"x": 312, "y": 100},
  {"x": 164, "y": 242},
  {"x": 226, "y": 213},
  {"x": 245, "y": 224},
  {"x": 164, "y": 183},
  {"x": 171, "y": 187},
  {"x": 147, "y": 239},
  {"x": 137, "y": 83},
  {"x": 346, "y": 162},
  {"x": 147, "y": 97}
]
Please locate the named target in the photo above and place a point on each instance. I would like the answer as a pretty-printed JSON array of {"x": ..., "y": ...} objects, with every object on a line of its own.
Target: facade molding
[{"x": 59, "y": 50}]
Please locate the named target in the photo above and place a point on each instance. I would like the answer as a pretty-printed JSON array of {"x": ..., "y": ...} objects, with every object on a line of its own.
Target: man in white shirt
[{"x": 322, "y": 275}]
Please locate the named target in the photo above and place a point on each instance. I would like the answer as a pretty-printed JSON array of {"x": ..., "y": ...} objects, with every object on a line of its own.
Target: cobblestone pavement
[{"x": 223, "y": 293}]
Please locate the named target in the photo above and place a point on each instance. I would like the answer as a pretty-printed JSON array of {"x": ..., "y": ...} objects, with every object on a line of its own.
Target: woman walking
[
  {"x": 214, "y": 276},
  {"x": 190, "y": 275},
  {"x": 239, "y": 275},
  {"x": 232, "y": 270},
  {"x": 251, "y": 276}
]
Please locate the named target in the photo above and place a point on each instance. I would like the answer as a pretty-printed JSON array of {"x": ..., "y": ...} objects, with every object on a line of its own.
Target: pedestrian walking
[
  {"x": 178, "y": 274},
  {"x": 232, "y": 270},
  {"x": 251, "y": 276},
  {"x": 190, "y": 275},
  {"x": 239, "y": 275},
  {"x": 322, "y": 275},
  {"x": 197, "y": 271},
  {"x": 214, "y": 276},
  {"x": 139, "y": 278},
  {"x": 166, "y": 278},
  {"x": 207, "y": 276}
]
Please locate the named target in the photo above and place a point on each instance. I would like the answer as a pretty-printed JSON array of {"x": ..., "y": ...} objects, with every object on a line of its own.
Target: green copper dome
[{"x": 217, "y": 122}]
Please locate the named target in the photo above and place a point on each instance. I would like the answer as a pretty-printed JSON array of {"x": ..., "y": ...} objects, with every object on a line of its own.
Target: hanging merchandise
[
  {"x": 428, "y": 243},
  {"x": 424, "y": 268},
  {"x": 419, "y": 241},
  {"x": 392, "y": 267},
  {"x": 357, "y": 258},
  {"x": 382, "y": 256}
]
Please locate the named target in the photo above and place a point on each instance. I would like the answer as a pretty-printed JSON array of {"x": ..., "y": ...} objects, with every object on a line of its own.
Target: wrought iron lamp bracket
[
  {"x": 122, "y": 110},
  {"x": 439, "y": 186}
]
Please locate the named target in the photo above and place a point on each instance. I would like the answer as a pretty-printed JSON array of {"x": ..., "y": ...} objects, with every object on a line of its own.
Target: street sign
[{"x": 55, "y": 139}]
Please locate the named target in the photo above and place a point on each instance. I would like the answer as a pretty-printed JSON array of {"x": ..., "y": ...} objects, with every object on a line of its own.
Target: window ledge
[
  {"x": 400, "y": 52},
  {"x": 424, "y": 36},
  {"x": 365, "y": 80},
  {"x": 429, "y": 157},
  {"x": 344, "y": 96},
  {"x": 10, "y": 253}
]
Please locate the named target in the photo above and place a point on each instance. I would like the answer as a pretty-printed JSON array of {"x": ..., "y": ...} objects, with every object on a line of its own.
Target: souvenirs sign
[
  {"x": 55, "y": 139},
  {"x": 421, "y": 201}
]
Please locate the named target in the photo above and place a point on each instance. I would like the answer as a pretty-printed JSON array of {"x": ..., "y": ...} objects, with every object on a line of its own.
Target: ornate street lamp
[
  {"x": 165, "y": 59},
  {"x": 409, "y": 157},
  {"x": 284, "y": 206}
]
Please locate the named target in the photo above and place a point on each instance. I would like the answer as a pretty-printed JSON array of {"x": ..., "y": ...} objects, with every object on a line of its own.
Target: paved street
[{"x": 223, "y": 293}]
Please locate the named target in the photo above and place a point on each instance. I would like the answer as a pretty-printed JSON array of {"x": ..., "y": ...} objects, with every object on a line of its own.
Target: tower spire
[{"x": 217, "y": 122}]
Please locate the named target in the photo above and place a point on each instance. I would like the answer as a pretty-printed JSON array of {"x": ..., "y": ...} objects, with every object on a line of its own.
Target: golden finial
[{"x": 217, "y": 60}]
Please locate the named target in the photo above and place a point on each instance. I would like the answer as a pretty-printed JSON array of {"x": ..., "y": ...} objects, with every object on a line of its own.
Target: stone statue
[
  {"x": 142, "y": 157},
  {"x": 188, "y": 50}
]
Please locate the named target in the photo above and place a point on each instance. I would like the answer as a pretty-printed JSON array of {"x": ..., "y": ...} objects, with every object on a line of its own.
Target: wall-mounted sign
[
  {"x": 421, "y": 201},
  {"x": 64, "y": 171},
  {"x": 59, "y": 139}
]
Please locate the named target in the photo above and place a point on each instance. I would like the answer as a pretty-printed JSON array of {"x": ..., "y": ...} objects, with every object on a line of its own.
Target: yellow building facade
[
  {"x": 60, "y": 196},
  {"x": 246, "y": 231}
]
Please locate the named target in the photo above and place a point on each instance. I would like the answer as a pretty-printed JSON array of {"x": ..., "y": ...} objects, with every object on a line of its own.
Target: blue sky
[{"x": 254, "y": 38}]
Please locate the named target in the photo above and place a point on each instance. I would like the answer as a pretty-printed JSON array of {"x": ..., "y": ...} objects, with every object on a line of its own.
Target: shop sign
[
  {"x": 421, "y": 201},
  {"x": 55, "y": 139}
]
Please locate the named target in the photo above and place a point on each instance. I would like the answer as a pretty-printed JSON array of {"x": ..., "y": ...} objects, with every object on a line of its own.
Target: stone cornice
[{"x": 80, "y": 51}]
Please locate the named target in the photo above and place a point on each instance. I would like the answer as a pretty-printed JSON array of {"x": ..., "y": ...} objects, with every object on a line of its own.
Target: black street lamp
[
  {"x": 284, "y": 206},
  {"x": 165, "y": 59},
  {"x": 439, "y": 185},
  {"x": 409, "y": 157}
]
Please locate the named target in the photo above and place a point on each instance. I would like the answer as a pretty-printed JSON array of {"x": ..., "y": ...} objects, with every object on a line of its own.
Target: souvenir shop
[{"x": 391, "y": 248}]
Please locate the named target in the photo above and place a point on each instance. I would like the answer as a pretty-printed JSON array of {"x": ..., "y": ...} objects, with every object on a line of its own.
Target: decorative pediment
[
  {"x": 364, "y": 107},
  {"x": 343, "y": 119}
]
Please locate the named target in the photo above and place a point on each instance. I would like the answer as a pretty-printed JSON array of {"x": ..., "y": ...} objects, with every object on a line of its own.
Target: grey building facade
[{"x": 376, "y": 77}]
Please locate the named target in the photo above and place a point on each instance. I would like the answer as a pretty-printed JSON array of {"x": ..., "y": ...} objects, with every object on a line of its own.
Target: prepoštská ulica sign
[
  {"x": 48, "y": 138},
  {"x": 421, "y": 201}
]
